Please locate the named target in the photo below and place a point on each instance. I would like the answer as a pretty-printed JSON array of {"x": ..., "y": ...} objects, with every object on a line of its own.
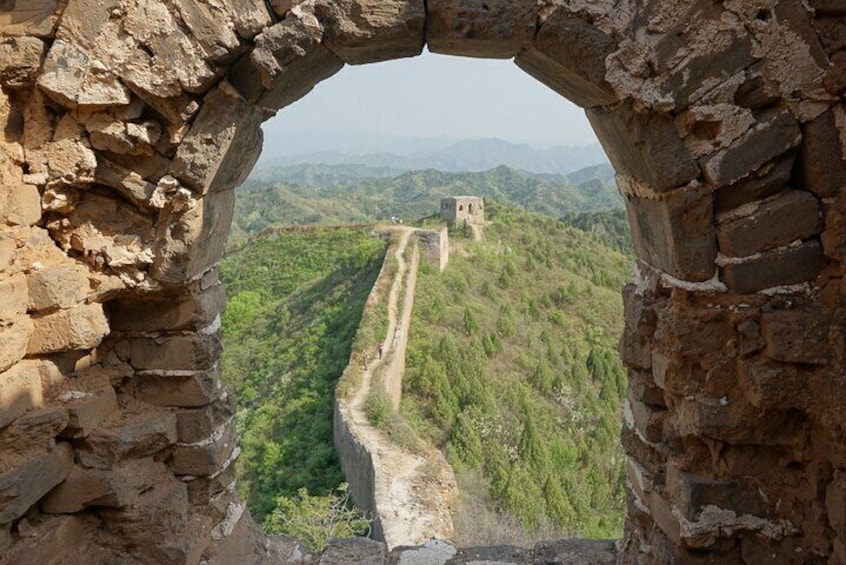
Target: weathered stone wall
[
  {"x": 127, "y": 123},
  {"x": 435, "y": 246}
]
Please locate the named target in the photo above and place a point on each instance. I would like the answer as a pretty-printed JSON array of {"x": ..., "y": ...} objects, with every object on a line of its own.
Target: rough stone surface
[
  {"x": 376, "y": 30},
  {"x": 127, "y": 125},
  {"x": 81, "y": 327},
  {"x": 792, "y": 216},
  {"x": 822, "y": 157},
  {"x": 644, "y": 145},
  {"x": 776, "y": 133},
  {"x": 472, "y": 28},
  {"x": 782, "y": 267},
  {"x": 569, "y": 55},
  {"x": 676, "y": 233},
  {"x": 20, "y": 391},
  {"x": 23, "y": 486}
]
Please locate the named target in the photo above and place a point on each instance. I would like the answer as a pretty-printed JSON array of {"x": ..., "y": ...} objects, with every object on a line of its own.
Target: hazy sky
[{"x": 437, "y": 95}]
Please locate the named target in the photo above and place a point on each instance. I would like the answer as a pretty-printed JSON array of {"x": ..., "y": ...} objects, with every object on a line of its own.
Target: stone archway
[{"x": 128, "y": 123}]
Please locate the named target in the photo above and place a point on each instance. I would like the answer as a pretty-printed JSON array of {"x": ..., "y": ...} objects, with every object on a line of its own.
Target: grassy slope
[
  {"x": 295, "y": 303},
  {"x": 513, "y": 370}
]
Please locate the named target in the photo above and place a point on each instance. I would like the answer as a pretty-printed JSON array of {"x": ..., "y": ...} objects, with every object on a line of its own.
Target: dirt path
[
  {"x": 478, "y": 232},
  {"x": 414, "y": 491}
]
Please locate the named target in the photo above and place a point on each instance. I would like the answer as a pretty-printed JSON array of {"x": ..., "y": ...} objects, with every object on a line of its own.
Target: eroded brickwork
[{"x": 128, "y": 123}]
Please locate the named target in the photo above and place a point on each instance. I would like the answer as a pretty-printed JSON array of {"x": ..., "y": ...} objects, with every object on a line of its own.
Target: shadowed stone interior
[{"x": 127, "y": 124}]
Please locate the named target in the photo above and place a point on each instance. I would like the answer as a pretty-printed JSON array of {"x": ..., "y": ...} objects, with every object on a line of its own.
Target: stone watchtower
[{"x": 457, "y": 209}]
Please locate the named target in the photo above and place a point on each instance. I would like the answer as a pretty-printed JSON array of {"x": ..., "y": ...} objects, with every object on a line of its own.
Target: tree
[{"x": 317, "y": 519}]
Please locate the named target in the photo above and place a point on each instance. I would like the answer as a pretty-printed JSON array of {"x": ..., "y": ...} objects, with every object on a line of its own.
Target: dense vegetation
[
  {"x": 295, "y": 302},
  {"x": 338, "y": 195},
  {"x": 512, "y": 369}
]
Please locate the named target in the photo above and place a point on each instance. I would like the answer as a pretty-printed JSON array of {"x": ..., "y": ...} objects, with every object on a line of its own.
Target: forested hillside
[
  {"x": 295, "y": 302},
  {"x": 303, "y": 195},
  {"x": 513, "y": 371}
]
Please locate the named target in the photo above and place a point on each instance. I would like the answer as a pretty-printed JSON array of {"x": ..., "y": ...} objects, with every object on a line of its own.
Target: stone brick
[
  {"x": 493, "y": 29},
  {"x": 113, "y": 488},
  {"x": 28, "y": 17},
  {"x": 188, "y": 390},
  {"x": 20, "y": 391},
  {"x": 193, "y": 426},
  {"x": 175, "y": 353},
  {"x": 20, "y": 58},
  {"x": 23, "y": 486},
  {"x": 222, "y": 145},
  {"x": 191, "y": 312},
  {"x": 88, "y": 410},
  {"x": 770, "y": 179},
  {"x": 81, "y": 327},
  {"x": 789, "y": 266},
  {"x": 644, "y": 145},
  {"x": 776, "y": 132},
  {"x": 34, "y": 431},
  {"x": 13, "y": 298},
  {"x": 835, "y": 502},
  {"x": 72, "y": 78},
  {"x": 58, "y": 287},
  {"x": 20, "y": 204},
  {"x": 676, "y": 234},
  {"x": 285, "y": 65},
  {"x": 159, "y": 513},
  {"x": 8, "y": 252},
  {"x": 664, "y": 517},
  {"x": 369, "y": 31},
  {"x": 775, "y": 385},
  {"x": 135, "y": 434},
  {"x": 206, "y": 457},
  {"x": 822, "y": 169},
  {"x": 568, "y": 55},
  {"x": 648, "y": 421},
  {"x": 797, "y": 337},
  {"x": 202, "y": 489},
  {"x": 794, "y": 215},
  {"x": 691, "y": 493},
  {"x": 193, "y": 240},
  {"x": 362, "y": 551}
]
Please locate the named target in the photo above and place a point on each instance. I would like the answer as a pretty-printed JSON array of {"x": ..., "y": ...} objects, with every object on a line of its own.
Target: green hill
[
  {"x": 308, "y": 195},
  {"x": 513, "y": 370},
  {"x": 295, "y": 302}
]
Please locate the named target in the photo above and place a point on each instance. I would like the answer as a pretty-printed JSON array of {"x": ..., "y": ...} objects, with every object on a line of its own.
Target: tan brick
[
  {"x": 13, "y": 297},
  {"x": 456, "y": 27},
  {"x": 81, "y": 327},
  {"x": 22, "y": 205},
  {"x": 20, "y": 391},
  {"x": 58, "y": 287},
  {"x": 14, "y": 340},
  {"x": 34, "y": 17}
]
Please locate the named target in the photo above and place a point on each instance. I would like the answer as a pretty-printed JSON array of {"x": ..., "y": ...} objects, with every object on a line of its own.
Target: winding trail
[{"x": 414, "y": 491}]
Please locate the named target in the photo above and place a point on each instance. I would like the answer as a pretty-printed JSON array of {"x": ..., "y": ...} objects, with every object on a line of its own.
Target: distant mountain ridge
[
  {"x": 453, "y": 156},
  {"x": 317, "y": 194}
]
